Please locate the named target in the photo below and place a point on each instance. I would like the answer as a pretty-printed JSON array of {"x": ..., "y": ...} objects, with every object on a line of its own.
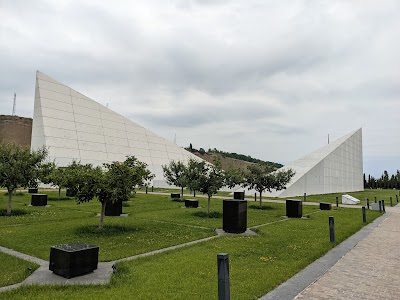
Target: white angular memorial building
[
  {"x": 75, "y": 127},
  {"x": 334, "y": 168}
]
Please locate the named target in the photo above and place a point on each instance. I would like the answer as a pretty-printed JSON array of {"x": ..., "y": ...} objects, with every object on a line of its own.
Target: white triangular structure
[
  {"x": 73, "y": 126},
  {"x": 334, "y": 168},
  {"x": 347, "y": 199}
]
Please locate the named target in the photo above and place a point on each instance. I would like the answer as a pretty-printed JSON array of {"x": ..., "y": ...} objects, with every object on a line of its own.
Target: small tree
[
  {"x": 175, "y": 174},
  {"x": 194, "y": 169},
  {"x": 19, "y": 167},
  {"x": 210, "y": 181},
  {"x": 262, "y": 177},
  {"x": 57, "y": 177},
  {"x": 113, "y": 184}
]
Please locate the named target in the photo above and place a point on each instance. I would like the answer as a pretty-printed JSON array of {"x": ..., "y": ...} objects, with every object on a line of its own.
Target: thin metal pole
[
  {"x": 305, "y": 197},
  {"x": 332, "y": 230},
  {"x": 367, "y": 203},
  {"x": 337, "y": 201}
]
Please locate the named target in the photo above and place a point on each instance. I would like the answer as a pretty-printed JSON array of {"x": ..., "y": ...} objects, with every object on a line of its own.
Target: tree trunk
[
  {"x": 260, "y": 200},
  {"x": 103, "y": 212},
  {"x": 208, "y": 206},
  {"x": 59, "y": 193},
  {"x": 182, "y": 191},
  {"x": 9, "y": 202}
]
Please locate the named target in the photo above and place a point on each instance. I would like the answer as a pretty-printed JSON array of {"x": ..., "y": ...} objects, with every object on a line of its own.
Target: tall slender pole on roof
[{"x": 14, "y": 104}]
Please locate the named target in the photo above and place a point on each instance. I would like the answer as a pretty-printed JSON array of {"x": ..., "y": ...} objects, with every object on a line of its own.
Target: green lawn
[
  {"x": 14, "y": 269},
  {"x": 258, "y": 263}
]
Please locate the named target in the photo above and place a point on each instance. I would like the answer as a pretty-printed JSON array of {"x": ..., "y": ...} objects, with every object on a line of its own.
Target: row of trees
[
  {"x": 110, "y": 183},
  {"x": 208, "y": 179},
  {"x": 386, "y": 181}
]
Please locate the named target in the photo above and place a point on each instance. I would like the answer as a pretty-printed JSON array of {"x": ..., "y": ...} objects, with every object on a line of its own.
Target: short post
[
  {"x": 397, "y": 198},
  {"x": 223, "y": 276},
  {"x": 367, "y": 203},
  {"x": 255, "y": 196},
  {"x": 152, "y": 188},
  {"x": 194, "y": 193},
  {"x": 305, "y": 197},
  {"x": 383, "y": 206},
  {"x": 380, "y": 206},
  {"x": 337, "y": 201},
  {"x": 146, "y": 189},
  {"x": 375, "y": 199},
  {"x": 391, "y": 202},
  {"x": 332, "y": 230},
  {"x": 364, "y": 214}
]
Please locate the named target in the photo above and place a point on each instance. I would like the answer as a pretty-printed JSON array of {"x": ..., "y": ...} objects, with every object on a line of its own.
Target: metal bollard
[
  {"x": 364, "y": 214},
  {"x": 383, "y": 206},
  {"x": 152, "y": 188},
  {"x": 223, "y": 276},
  {"x": 305, "y": 197},
  {"x": 146, "y": 189},
  {"x": 367, "y": 203},
  {"x": 255, "y": 196},
  {"x": 391, "y": 202},
  {"x": 380, "y": 206},
  {"x": 337, "y": 201},
  {"x": 375, "y": 199},
  {"x": 194, "y": 193},
  {"x": 332, "y": 230},
  {"x": 397, "y": 198}
]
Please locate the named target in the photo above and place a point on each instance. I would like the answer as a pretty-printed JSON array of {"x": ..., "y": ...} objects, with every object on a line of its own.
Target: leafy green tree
[
  {"x": 19, "y": 167},
  {"x": 210, "y": 181},
  {"x": 56, "y": 177},
  {"x": 114, "y": 183},
  {"x": 175, "y": 174},
  {"x": 194, "y": 169},
  {"x": 234, "y": 177},
  {"x": 261, "y": 178}
]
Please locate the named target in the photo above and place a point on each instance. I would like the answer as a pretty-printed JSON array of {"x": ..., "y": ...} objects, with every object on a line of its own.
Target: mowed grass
[
  {"x": 14, "y": 269},
  {"x": 257, "y": 264}
]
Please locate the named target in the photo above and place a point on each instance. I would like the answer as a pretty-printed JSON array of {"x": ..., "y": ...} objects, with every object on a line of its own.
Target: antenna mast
[
  {"x": 15, "y": 98},
  {"x": 328, "y": 138}
]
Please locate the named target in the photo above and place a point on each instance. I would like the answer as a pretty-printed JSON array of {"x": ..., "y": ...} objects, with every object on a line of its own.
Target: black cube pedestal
[
  {"x": 70, "y": 260},
  {"x": 238, "y": 195},
  {"x": 294, "y": 208},
  {"x": 113, "y": 209},
  {"x": 39, "y": 200},
  {"x": 32, "y": 190},
  {"x": 325, "y": 206},
  {"x": 175, "y": 196},
  {"x": 192, "y": 203},
  {"x": 234, "y": 218}
]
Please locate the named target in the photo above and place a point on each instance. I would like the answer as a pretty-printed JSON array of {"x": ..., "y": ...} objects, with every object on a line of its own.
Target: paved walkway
[
  {"x": 365, "y": 266},
  {"x": 371, "y": 270}
]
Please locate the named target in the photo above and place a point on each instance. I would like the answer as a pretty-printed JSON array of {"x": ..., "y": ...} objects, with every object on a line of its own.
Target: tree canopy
[
  {"x": 175, "y": 173},
  {"x": 262, "y": 178},
  {"x": 19, "y": 167},
  {"x": 113, "y": 183}
]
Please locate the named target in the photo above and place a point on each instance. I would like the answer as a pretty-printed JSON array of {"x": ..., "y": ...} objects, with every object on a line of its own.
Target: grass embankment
[{"x": 258, "y": 263}]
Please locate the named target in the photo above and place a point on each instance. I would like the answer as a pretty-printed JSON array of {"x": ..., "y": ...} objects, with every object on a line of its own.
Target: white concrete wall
[{"x": 74, "y": 126}]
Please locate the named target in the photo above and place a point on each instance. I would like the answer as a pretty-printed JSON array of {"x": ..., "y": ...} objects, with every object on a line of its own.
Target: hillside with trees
[{"x": 230, "y": 160}]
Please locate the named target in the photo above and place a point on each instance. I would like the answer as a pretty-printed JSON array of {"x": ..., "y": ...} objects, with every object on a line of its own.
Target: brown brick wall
[{"x": 17, "y": 130}]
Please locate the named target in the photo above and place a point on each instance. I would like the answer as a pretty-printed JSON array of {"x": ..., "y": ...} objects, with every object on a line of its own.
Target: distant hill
[{"x": 230, "y": 160}]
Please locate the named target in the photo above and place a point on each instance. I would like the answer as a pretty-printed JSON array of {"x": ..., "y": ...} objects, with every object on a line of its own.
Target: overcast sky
[{"x": 270, "y": 79}]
